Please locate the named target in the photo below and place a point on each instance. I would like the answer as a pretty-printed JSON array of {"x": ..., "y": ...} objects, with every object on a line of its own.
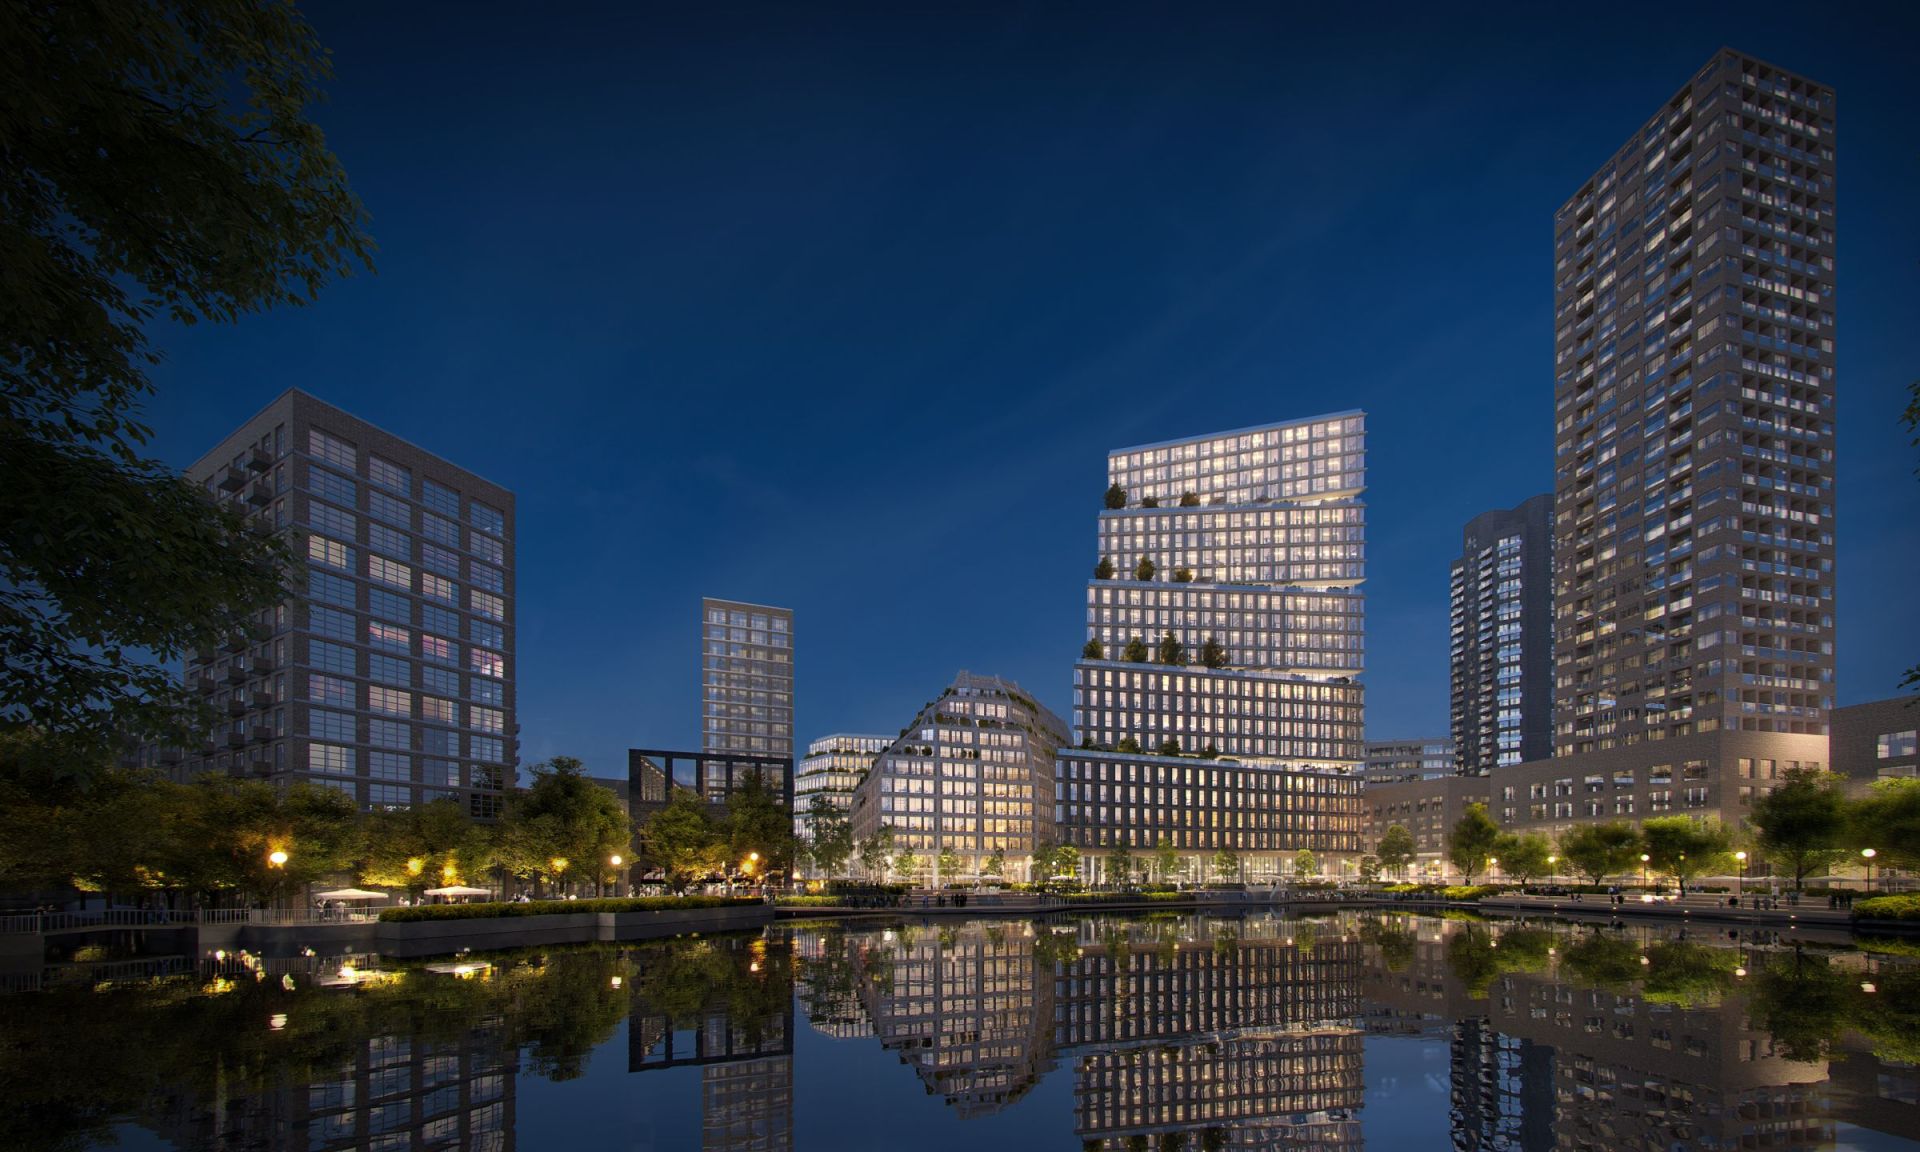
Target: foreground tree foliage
[
  {"x": 1597, "y": 851},
  {"x": 1802, "y": 822},
  {"x": 1681, "y": 848},
  {"x": 1523, "y": 856},
  {"x": 1471, "y": 842},
  {"x": 1396, "y": 849},
  {"x": 563, "y": 827},
  {"x": 158, "y": 160}
]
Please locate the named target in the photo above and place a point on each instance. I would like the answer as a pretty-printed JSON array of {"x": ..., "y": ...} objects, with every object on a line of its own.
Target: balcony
[
  {"x": 202, "y": 656},
  {"x": 232, "y": 480},
  {"x": 236, "y": 643},
  {"x": 259, "y": 460},
  {"x": 206, "y": 684},
  {"x": 262, "y": 699},
  {"x": 236, "y": 674},
  {"x": 260, "y": 495},
  {"x": 236, "y": 739},
  {"x": 236, "y": 706},
  {"x": 260, "y": 665},
  {"x": 261, "y": 733}
]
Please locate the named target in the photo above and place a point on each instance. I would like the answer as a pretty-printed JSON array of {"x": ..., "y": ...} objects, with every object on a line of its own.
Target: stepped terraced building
[
  {"x": 832, "y": 768},
  {"x": 1216, "y": 703}
]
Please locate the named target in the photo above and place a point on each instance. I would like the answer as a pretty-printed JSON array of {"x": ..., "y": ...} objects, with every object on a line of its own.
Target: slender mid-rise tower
[
  {"x": 1215, "y": 703},
  {"x": 1501, "y": 656},
  {"x": 746, "y": 678},
  {"x": 1693, "y": 438}
]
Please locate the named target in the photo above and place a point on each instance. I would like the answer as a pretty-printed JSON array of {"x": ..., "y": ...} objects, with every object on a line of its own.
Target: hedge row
[
  {"x": 1123, "y": 897},
  {"x": 560, "y": 907},
  {"x": 1445, "y": 891},
  {"x": 1904, "y": 907},
  {"x": 811, "y": 901}
]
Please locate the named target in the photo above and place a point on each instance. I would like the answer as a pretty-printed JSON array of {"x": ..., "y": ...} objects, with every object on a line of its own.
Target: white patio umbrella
[
  {"x": 350, "y": 894},
  {"x": 458, "y": 890}
]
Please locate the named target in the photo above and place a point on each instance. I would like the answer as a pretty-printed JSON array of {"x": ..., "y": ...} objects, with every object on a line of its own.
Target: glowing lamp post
[
  {"x": 1552, "y": 863},
  {"x": 615, "y": 861},
  {"x": 1868, "y": 854},
  {"x": 1644, "y": 859},
  {"x": 1742, "y": 889}
]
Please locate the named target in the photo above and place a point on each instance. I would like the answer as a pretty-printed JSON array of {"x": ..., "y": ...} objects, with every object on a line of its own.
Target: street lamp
[
  {"x": 1741, "y": 891},
  {"x": 1644, "y": 858},
  {"x": 1551, "y": 861},
  {"x": 616, "y": 860},
  {"x": 1493, "y": 862},
  {"x": 277, "y": 858},
  {"x": 1868, "y": 854}
]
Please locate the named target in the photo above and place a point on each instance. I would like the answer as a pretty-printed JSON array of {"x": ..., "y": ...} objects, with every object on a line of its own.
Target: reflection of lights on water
[{"x": 277, "y": 1021}]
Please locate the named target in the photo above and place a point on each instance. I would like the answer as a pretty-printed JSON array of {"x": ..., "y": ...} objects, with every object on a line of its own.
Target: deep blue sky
[{"x": 841, "y": 308}]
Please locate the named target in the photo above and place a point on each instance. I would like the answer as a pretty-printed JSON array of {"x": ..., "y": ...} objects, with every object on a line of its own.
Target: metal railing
[{"x": 39, "y": 923}]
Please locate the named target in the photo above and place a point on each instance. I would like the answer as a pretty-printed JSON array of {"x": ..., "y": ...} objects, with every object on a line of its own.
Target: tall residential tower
[
  {"x": 1693, "y": 498},
  {"x": 1215, "y": 702},
  {"x": 1501, "y": 590},
  {"x": 389, "y": 673}
]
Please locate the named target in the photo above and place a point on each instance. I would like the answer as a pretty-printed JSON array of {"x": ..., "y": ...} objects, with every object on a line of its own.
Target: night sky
[{"x": 842, "y": 308}]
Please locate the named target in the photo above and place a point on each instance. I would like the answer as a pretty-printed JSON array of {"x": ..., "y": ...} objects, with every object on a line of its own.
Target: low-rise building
[
  {"x": 1879, "y": 740},
  {"x": 1426, "y": 808},
  {"x": 971, "y": 775}
]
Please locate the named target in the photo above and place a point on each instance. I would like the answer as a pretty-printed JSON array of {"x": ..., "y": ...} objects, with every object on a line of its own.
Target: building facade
[
  {"x": 389, "y": 672},
  {"x": 1694, "y": 408},
  {"x": 970, "y": 775},
  {"x": 832, "y": 768},
  {"x": 1216, "y": 702},
  {"x": 1501, "y": 651},
  {"x": 1415, "y": 759},
  {"x": 1877, "y": 741},
  {"x": 1428, "y": 809},
  {"x": 746, "y": 678}
]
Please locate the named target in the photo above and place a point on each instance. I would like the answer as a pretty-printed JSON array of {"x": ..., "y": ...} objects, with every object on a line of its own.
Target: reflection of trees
[
  {"x": 1395, "y": 942},
  {"x": 1803, "y": 1002},
  {"x": 1690, "y": 975},
  {"x": 1476, "y": 955},
  {"x": 75, "y": 1060},
  {"x": 1611, "y": 962}
]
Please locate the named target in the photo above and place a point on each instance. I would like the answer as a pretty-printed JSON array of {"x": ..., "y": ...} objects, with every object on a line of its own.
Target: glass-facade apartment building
[
  {"x": 832, "y": 768},
  {"x": 1216, "y": 702},
  {"x": 1501, "y": 644},
  {"x": 1694, "y": 436},
  {"x": 1419, "y": 758},
  {"x": 746, "y": 678},
  {"x": 970, "y": 775},
  {"x": 389, "y": 672}
]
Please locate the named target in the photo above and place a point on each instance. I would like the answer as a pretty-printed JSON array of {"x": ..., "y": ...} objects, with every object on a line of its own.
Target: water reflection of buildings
[
  {"x": 1630, "y": 1072},
  {"x": 742, "y": 1046},
  {"x": 1229, "y": 1035},
  {"x": 1543, "y": 1058},
  {"x": 965, "y": 1007},
  {"x": 395, "y": 1092}
]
